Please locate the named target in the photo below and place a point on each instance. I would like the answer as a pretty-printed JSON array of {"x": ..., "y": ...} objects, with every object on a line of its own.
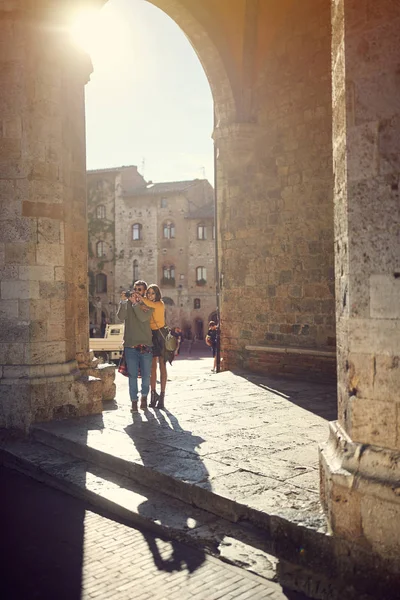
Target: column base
[
  {"x": 34, "y": 393},
  {"x": 360, "y": 493}
]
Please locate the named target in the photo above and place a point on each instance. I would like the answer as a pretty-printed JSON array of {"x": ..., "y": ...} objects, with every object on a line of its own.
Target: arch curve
[
  {"x": 208, "y": 54},
  {"x": 210, "y": 57}
]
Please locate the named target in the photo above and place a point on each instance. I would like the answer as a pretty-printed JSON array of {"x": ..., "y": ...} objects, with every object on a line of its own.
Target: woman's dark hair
[{"x": 156, "y": 290}]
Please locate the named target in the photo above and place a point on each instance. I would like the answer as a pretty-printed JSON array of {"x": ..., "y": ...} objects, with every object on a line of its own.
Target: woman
[{"x": 157, "y": 324}]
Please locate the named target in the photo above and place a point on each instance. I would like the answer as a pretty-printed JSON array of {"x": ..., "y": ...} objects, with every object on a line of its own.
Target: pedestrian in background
[{"x": 212, "y": 339}]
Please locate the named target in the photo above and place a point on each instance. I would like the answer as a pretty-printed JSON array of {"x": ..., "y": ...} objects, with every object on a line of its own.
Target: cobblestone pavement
[{"x": 57, "y": 548}]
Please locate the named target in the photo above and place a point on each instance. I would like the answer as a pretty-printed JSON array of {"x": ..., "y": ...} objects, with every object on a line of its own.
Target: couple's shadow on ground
[{"x": 153, "y": 437}]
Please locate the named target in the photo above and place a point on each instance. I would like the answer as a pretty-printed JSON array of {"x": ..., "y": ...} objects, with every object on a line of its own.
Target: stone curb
[
  {"x": 140, "y": 506},
  {"x": 311, "y": 562}
]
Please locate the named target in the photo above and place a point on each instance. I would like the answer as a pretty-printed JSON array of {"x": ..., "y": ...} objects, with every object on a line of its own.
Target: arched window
[
  {"x": 168, "y": 301},
  {"x": 201, "y": 232},
  {"x": 135, "y": 270},
  {"x": 168, "y": 231},
  {"x": 101, "y": 212},
  {"x": 101, "y": 283},
  {"x": 196, "y": 303},
  {"x": 100, "y": 249},
  {"x": 137, "y": 231},
  {"x": 201, "y": 275}
]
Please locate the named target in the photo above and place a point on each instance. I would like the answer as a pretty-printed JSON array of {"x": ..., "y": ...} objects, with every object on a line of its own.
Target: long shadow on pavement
[
  {"x": 42, "y": 537},
  {"x": 190, "y": 469},
  {"x": 318, "y": 398}
]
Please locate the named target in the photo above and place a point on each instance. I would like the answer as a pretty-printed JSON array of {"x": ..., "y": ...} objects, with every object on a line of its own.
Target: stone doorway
[{"x": 199, "y": 329}]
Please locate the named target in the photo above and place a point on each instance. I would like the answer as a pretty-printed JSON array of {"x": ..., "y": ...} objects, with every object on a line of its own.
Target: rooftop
[{"x": 165, "y": 187}]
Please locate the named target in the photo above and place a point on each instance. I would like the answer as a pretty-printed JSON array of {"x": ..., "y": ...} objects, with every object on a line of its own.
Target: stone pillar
[
  {"x": 235, "y": 147},
  {"x": 43, "y": 230},
  {"x": 360, "y": 464}
]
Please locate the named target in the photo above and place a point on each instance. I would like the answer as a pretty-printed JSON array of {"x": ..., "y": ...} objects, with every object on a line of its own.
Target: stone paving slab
[
  {"x": 247, "y": 439},
  {"x": 139, "y": 505},
  {"x": 217, "y": 446},
  {"x": 276, "y": 495},
  {"x": 89, "y": 555}
]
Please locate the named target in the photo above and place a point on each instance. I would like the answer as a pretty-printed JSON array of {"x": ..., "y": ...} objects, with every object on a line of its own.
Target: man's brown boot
[
  {"x": 143, "y": 402},
  {"x": 134, "y": 407}
]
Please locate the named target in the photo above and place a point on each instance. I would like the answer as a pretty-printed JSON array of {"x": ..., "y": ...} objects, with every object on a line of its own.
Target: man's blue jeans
[{"x": 134, "y": 360}]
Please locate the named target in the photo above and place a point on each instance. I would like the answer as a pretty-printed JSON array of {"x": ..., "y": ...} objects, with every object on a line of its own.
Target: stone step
[
  {"x": 320, "y": 566},
  {"x": 176, "y": 474},
  {"x": 310, "y": 560},
  {"x": 139, "y": 505}
]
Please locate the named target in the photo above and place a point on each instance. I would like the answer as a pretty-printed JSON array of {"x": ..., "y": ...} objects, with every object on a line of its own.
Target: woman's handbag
[
  {"x": 170, "y": 340},
  {"x": 123, "y": 367}
]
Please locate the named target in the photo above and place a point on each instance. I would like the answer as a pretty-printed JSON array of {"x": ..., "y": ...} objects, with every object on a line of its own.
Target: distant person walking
[
  {"x": 138, "y": 343},
  {"x": 189, "y": 338},
  {"x": 177, "y": 333},
  {"x": 212, "y": 339}
]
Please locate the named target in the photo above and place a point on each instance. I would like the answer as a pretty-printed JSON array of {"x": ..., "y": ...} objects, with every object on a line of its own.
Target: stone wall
[
  {"x": 43, "y": 234},
  {"x": 130, "y": 210},
  {"x": 275, "y": 196},
  {"x": 360, "y": 464}
]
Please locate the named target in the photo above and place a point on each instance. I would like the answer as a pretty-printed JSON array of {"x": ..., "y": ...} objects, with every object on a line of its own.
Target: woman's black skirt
[{"x": 158, "y": 343}]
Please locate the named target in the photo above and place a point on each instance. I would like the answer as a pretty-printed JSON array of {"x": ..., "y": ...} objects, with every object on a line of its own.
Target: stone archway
[{"x": 220, "y": 79}]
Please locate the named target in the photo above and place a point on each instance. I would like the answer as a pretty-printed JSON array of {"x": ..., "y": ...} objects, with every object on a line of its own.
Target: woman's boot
[
  {"x": 160, "y": 403},
  {"x": 143, "y": 402},
  {"x": 154, "y": 399}
]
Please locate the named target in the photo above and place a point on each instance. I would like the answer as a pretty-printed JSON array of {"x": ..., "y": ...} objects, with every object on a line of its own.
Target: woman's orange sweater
[{"x": 158, "y": 317}]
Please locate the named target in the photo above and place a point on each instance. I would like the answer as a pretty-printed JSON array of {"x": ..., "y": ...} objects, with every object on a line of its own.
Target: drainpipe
[{"x": 217, "y": 281}]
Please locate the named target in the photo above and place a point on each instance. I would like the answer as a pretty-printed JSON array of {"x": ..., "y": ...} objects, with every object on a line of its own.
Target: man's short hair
[{"x": 140, "y": 282}]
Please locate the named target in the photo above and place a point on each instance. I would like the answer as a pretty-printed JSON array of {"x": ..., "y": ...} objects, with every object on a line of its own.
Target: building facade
[{"x": 163, "y": 233}]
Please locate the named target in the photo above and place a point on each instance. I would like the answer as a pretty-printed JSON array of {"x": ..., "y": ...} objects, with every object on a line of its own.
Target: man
[
  {"x": 177, "y": 333},
  {"x": 138, "y": 344},
  {"x": 212, "y": 339}
]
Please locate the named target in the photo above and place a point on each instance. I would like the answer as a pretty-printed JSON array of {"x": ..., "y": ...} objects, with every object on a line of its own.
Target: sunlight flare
[{"x": 103, "y": 34}]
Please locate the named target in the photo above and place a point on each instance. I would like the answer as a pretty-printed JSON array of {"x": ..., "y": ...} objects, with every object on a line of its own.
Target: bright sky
[{"x": 148, "y": 99}]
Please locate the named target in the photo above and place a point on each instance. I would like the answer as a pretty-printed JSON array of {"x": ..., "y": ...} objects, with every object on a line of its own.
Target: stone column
[
  {"x": 43, "y": 231},
  {"x": 360, "y": 464},
  {"x": 236, "y": 146}
]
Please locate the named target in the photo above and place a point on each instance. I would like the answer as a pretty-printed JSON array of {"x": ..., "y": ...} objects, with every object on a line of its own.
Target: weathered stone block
[
  {"x": 50, "y": 254},
  {"x": 17, "y": 230},
  {"x": 20, "y": 253},
  {"x": 16, "y": 290},
  {"x": 9, "y": 210},
  {"x": 45, "y": 352},
  {"x": 35, "y": 273}
]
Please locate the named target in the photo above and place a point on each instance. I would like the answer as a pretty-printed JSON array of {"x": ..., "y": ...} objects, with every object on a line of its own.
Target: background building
[{"x": 163, "y": 233}]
